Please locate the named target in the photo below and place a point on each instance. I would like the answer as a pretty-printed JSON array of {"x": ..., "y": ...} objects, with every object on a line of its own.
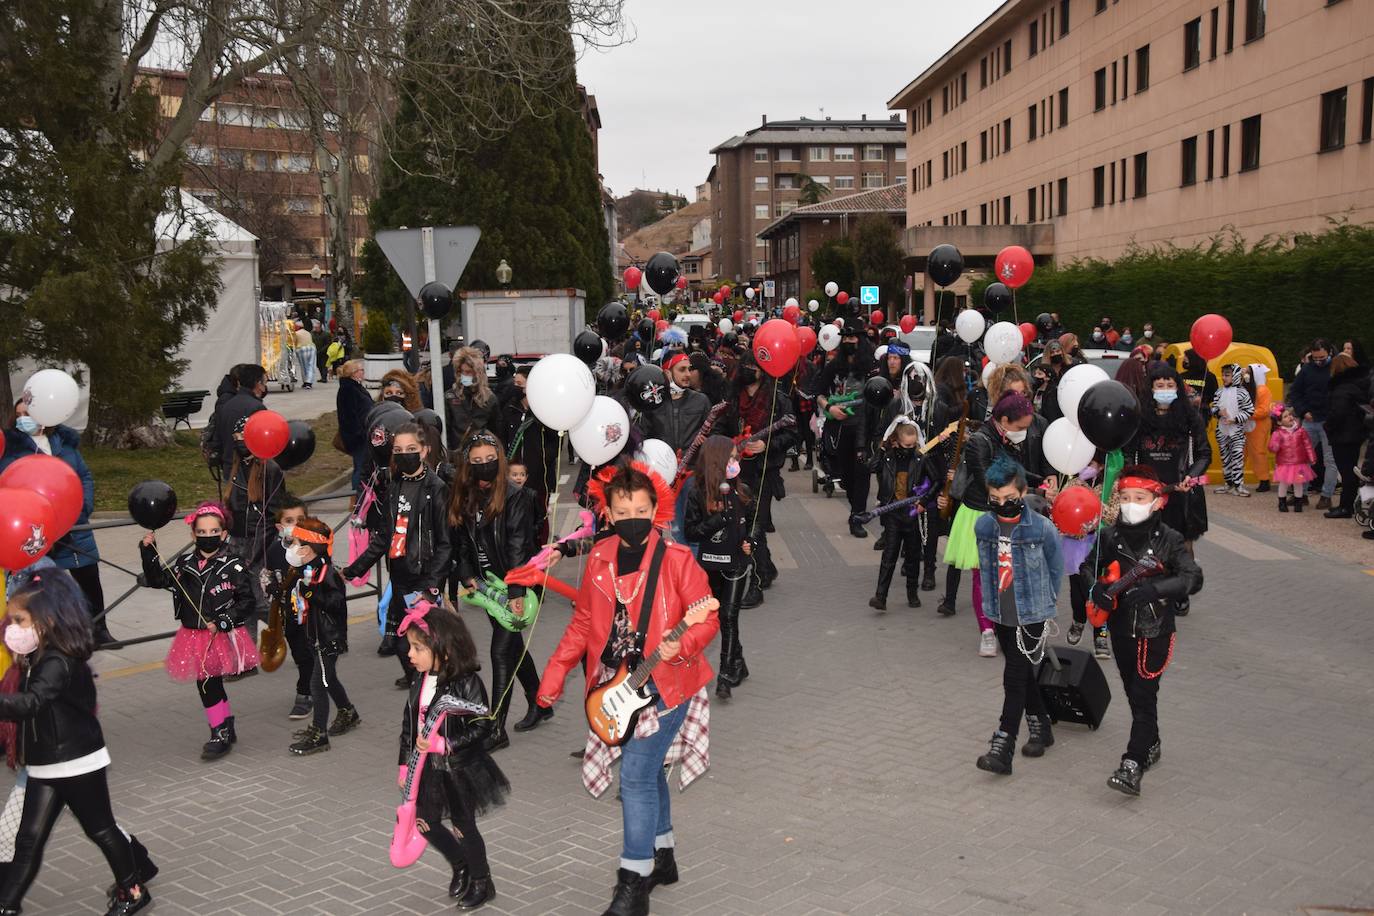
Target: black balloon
[
  {"x": 300, "y": 445},
  {"x": 152, "y": 503},
  {"x": 385, "y": 419},
  {"x": 1109, "y": 415},
  {"x": 1044, "y": 321},
  {"x": 944, "y": 265},
  {"x": 613, "y": 320},
  {"x": 661, "y": 273},
  {"x": 878, "y": 392},
  {"x": 436, "y": 299},
  {"x": 997, "y": 297},
  {"x": 587, "y": 346},
  {"x": 646, "y": 388},
  {"x": 645, "y": 329}
]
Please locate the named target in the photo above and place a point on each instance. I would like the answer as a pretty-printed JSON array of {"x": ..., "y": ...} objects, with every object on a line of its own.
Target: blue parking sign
[{"x": 868, "y": 295}]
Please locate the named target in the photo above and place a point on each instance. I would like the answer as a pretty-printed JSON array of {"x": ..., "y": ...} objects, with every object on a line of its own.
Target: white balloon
[
  {"x": 813, "y": 305},
  {"x": 792, "y": 300},
  {"x": 660, "y": 458},
  {"x": 839, "y": 322},
  {"x": 603, "y": 432},
  {"x": 988, "y": 370},
  {"x": 52, "y": 396},
  {"x": 970, "y": 324},
  {"x": 832, "y": 288},
  {"x": 1071, "y": 387},
  {"x": 1066, "y": 447},
  {"x": 828, "y": 338},
  {"x": 1002, "y": 343},
  {"x": 726, "y": 326},
  {"x": 560, "y": 389},
  {"x": 749, "y": 292},
  {"x": 880, "y": 352}
]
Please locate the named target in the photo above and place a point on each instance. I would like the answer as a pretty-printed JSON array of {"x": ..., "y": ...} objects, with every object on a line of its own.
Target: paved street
[{"x": 842, "y": 777}]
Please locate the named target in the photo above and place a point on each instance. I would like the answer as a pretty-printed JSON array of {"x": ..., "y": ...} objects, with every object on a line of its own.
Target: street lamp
[
  {"x": 316, "y": 273},
  {"x": 503, "y": 273}
]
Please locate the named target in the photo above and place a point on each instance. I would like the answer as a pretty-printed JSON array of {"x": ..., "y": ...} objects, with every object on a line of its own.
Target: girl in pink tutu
[
  {"x": 213, "y": 597},
  {"x": 1294, "y": 456}
]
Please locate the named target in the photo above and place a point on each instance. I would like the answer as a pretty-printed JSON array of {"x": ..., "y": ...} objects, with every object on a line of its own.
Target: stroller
[
  {"x": 1364, "y": 503},
  {"x": 824, "y": 476}
]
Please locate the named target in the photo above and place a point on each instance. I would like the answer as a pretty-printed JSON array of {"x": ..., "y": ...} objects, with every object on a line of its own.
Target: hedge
[{"x": 1279, "y": 293}]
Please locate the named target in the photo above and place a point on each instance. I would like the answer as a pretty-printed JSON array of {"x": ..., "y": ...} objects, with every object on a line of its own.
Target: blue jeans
[
  {"x": 1322, "y": 446},
  {"x": 646, "y": 803},
  {"x": 305, "y": 356},
  {"x": 360, "y": 456}
]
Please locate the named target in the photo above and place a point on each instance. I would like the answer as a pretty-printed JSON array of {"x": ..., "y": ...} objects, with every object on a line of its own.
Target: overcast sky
[{"x": 696, "y": 74}]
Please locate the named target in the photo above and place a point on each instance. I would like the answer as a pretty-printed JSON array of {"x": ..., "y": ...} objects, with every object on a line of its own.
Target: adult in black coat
[
  {"x": 1345, "y": 429},
  {"x": 247, "y": 400},
  {"x": 352, "y": 405}
]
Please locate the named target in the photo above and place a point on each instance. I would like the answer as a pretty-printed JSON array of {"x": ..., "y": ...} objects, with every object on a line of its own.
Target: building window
[
  {"x": 1225, "y": 150},
  {"x": 944, "y": 165},
  {"x": 1034, "y": 38},
  {"x": 1030, "y": 205},
  {"x": 900, "y": 179},
  {"x": 1142, "y": 166},
  {"x": 761, "y": 155},
  {"x": 1212, "y": 41},
  {"x": 200, "y": 155},
  {"x": 1063, "y": 18},
  {"x": 1030, "y": 123},
  {"x": 1192, "y": 44},
  {"x": 963, "y": 86},
  {"x": 899, "y": 154},
  {"x": 1211, "y": 150},
  {"x": 1250, "y": 144},
  {"x": 1101, "y": 6},
  {"x": 1063, "y": 196},
  {"x": 1333, "y": 119},
  {"x": 231, "y": 158},
  {"x": 1006, "y": 135},
  {"x": 1112, "y": 178},
  {"x": 1254, "y": 19},
  {"x": 944, "y": 100},
  {"x": 1006, "y": 209},
  {"x": 1142, "y": 68},
  {"x": 786, "y": 183},
  {"x": 1064, "y": 107},
  {"x": 1230, "y": 25},
  {"x": 1006, "y": 56},
  {"x": 1113, "y": 82},
  {"x": 983, "y": 73},
  {"x": 1367, "y": 111},
  {"x": 760, "y": 243},
  {"x": 1189, "y": 165},
  {"x": 1100, "y": 89},
  {"x": 787, "y": 154},
  {"x": 873, "y": 154},
  {"x": 819, "y": 154},
  {"x": 784, "y": 208},
  {"x": 760, "y": 211},
  {"x": 873, "y": 179},
  {"x": 844, "y": 182},
  {"x": 982, "y": 214},
  {"x": 983, "y": 146},
  {"x": 296, "y": 162},
  {"x": 299, "y": 205},
  {"x": 1099, "y": 186},
  {"x": 760, "y": 267},
  {"x": 821, "y": 179},
  {"x": 844, "y": 154},
  {"x": 760, "y": 182}
]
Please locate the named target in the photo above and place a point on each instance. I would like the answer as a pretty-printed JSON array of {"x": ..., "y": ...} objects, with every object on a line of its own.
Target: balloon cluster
[{"x": 41, "y": 497}]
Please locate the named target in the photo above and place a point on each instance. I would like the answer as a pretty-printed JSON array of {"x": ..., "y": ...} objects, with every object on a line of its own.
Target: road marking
[
  {"x": 1369, "y": 572},
  {"x": 132, "y": 669},
  {"x": 1242, "y": 546}
]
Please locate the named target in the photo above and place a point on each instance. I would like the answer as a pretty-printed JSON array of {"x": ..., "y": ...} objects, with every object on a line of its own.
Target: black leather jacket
[
  {"x": 54, "y": 709},
  {"x": 428, "y": 550},
  {"x": 464, "y": 735},
  {"x": 326, "y": 618},
  {"x": 778, "y": 443},
  {"x": 721, "y": 533},
  {"x": 677, "y": 421},
  {"x": 201, "y": 595},
  {"x": 1148, "y": 609},
  {"x": 888, "y": 463},
  {"x": 983, "y": 446},
  {"x": 505, "y": 539},
  {"x": 255, "y": 522}
]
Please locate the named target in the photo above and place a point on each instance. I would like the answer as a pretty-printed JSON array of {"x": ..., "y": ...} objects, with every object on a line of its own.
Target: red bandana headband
[
  {"x": 672, "y": 361},
  {"x": 1141, "y": 483}
]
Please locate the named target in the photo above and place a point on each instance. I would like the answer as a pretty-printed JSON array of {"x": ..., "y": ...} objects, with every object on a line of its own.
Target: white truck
[{"x": 524, "y": 322}]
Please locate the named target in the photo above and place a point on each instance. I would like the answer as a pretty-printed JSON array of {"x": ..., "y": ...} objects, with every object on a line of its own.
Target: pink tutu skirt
[
  {"x": 198, "y": 654},
  {"x": 1293, "y": 473}
]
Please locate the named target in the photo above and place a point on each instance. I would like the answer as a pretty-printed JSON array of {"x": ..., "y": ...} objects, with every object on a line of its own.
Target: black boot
[
  {"x": 1283, "y": 503},
  {"x": 480, "y": 891},
  {"x": 999, "y": 755},
  {"x": 345, "y": 720},
  {"x": 313, "y": 741},
  {"x": 881, "y": 542},
  {"x": 1299, "y": 502},
  {"x": 946, "y": 607},
  {"x": 928, "y": 581},
  {"x": 1152, "y": 755},
  {"x": 1263, "y": 487},
  {"x": 913, "y": 593},
  {"x": 795, "y": 466},
  {"x": 535, "y": 717},
  {"x": 1038, "y": 736},
  {"x": 126, "y": 903},
  {"x": 147, "y": 868},
  {"x": 859, "y": 531},
  {"x": 1126, "y": 779},
  {"x": 221, "y": 740},
  {"x": 458, "y": 886},
  {"x": 878, "y": 602},
  {"x": 665, "y": 869},
  {"x": 753, "y": 595},
  {"x": 631, "y": 895},
  {"x": 387, "y": 646}
]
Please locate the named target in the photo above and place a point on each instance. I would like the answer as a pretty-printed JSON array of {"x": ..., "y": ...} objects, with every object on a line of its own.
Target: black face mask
[
  {"x": 1009, "y": 510},
  {"x": 486, "y": 471},
  {"x": 903, "y": 453},
  {"x": 407, "y": 463},
  {"x": 395, "y": 398},
  {"x": 916, "y": 390},
  {"x": 747, "y": 375},
  {"x": 634, "y": 531},
  {"x": 849, "y": 349},
  {"x": 241, "y": 449},
  {"x": 1057, "y": 358},
  {"x": 209, "y": 543}
]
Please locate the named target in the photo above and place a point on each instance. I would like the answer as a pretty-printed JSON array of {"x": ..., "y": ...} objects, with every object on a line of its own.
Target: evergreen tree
[
  {"x": 834, "y": 260},
  {"x": 878, "y": 258}
]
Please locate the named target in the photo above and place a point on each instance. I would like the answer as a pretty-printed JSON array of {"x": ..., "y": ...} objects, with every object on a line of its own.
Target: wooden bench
[{"x": 178, "y": 406}]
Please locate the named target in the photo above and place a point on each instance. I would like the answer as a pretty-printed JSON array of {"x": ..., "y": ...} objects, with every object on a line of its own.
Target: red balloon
[
  {"x": 681, "y": 282},
  {"x": 633, "y": 277},
  {"x": 266, "y": 434},
  {"x": 1014, "y": 266},
  {"x": 54, "y": 480},
  {"x": 776, "y": 347},
  {"x": 1076, "y": 511},
  {"x": 1028, "y": 333},
  {"x": 661, "y": 325},
  {"x": 718, "y": 298},
  {"x": 907, "y": 324},
  {"x": 806, "y": 339},
  {"x": 26, "y": 527},
  {"x": 842, "y": 297},
  {"x": 725, "y": 291},
  {"x": 1211, "y": 336},
  {"x": 876, "y": 317},
  {"x": 791, "y": 313},
  {"x": 653, "y": 314},
  {"x": 738, "y": 316}
]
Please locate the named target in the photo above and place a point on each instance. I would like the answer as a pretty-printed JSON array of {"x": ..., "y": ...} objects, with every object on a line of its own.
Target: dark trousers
[
  {"x": 1020, "y": 692},
  {"x": 395, "y": 613},
  {"x": 727, "y": 587},
  {"x": 324, "y": 686},
  {"x": 466, "y": 847},
  {"x": 760, "y": 513},
  {"x": 88, "y": 579},
  {"x": 1347, "y": 456},
  {"x": 808, "y": 435},
  {"x": 840, "y": 449},
  {"x": 88, "y": 797},
  {"x": 897, "y": 540},
  {"x": 509, "y": 660},
  {"x": 301, "y": 655},
  {"x": 1141, "y": 692}
]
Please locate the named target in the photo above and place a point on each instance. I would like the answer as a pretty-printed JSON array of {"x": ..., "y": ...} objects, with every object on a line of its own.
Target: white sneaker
[
  {"x": 1222, "y": 491},
  {"x": 1241, "y": 491},
  {"x": 987, "y": 645}
]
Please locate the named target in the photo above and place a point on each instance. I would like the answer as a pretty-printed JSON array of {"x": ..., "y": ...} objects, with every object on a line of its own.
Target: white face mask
[
  {"x": 1135, "y": 513},
  {"x": 299, "y": 555},
  {"x": 21, "y": 640},
  {"x": 1016, "y": 435},
  {"x": 675, "y": 388}
]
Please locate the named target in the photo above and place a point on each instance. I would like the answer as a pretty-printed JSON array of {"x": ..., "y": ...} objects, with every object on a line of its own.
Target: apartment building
[
  {"x": 1080, "y": 127},
  {"x": 758, "y": 177}
]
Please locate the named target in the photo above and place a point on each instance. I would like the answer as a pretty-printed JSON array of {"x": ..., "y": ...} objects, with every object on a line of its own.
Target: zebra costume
[{"x": 1233, "y": 407}]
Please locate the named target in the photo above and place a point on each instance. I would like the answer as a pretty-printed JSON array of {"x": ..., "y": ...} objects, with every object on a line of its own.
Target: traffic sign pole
[{"x": 436, "y": 371}]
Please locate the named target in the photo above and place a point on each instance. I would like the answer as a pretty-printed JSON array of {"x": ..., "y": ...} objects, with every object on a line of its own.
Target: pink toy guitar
[
  {"x": 588, "y": 527},
  {"x": 407, "y": 843}
]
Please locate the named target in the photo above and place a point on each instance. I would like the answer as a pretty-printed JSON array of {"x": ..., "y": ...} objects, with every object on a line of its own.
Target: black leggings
[
  {"x": 324, "y": 686},
  {"x": 301, "y": 655},
  {"x": 1141, "y": 692},
  {"x": 88, "y": 797},
  {"x": 1020, "y": 693},
  {"x": 467, "y": 848},
  {"x": 211, "y": 691},
  {"x": 509, "y": 660}
]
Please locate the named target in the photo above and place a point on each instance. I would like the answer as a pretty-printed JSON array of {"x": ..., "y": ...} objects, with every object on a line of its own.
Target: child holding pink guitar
[{"x": 457, "y": 777}]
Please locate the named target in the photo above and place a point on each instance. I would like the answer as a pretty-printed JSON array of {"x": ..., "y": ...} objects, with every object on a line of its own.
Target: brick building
[
  {"x": 1079, "y": 127},
  {"x": 795, "y": 236},
  {"x": 757, "y": 178},
  {"x": 252, "y": 157}
]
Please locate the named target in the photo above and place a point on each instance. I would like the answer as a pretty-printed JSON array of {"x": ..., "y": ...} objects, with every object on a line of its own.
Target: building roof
[
  {"x": 889, "y": 199},
  {"x": 904, "y": 98},
  {"x": 806, "y": 130},
  {"x": 699, "y": 253}
]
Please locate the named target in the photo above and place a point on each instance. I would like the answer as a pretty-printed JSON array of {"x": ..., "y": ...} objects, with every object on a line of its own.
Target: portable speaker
[{"x": 1077, "y": 691}]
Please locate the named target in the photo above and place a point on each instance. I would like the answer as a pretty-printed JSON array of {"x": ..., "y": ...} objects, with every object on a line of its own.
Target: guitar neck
[
  {"x": 646, "y": 667},
  {"x": 690, "y": 455}
]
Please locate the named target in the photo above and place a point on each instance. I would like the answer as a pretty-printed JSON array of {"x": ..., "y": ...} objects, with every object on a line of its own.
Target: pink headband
[
  {"x": 208, "y": 508},
  {"x": 416, "y": 609}
]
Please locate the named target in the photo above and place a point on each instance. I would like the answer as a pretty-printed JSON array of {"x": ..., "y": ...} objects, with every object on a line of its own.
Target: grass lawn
[{"x": 181, "y": 465}]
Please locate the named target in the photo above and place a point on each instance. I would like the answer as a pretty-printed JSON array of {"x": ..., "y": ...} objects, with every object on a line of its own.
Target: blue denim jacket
[{"x": 1036, "y": 562}]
